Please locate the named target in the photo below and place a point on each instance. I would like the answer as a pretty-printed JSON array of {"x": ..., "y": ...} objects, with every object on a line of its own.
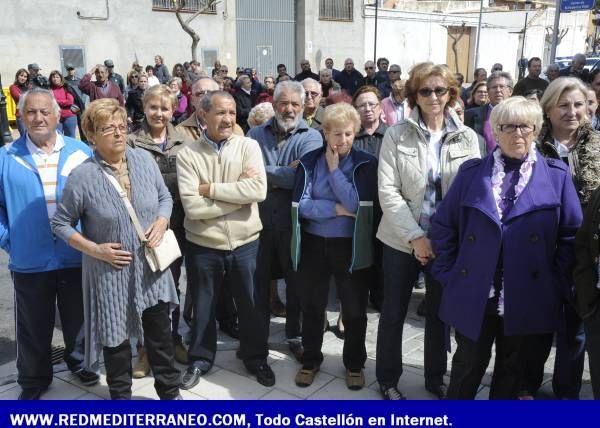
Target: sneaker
[
  {"x": 392, "y": 393},
  {"x": 86, "y": 377},
  {"x": 142, "y": 365}
]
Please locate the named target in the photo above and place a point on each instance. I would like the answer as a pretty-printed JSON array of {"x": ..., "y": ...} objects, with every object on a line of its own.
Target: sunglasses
[
  {"x": 135, "y": 76},
  {"x": 426, "y": 92},
  {"x": 369, "y": 68}
]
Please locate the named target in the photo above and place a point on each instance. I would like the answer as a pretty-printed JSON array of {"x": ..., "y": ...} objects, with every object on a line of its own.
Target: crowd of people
[{"x": 366, "y": 182}]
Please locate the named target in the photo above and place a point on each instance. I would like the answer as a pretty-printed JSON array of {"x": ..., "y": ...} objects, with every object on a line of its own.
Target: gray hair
[
  {"x": 205, "y": 78},
  {"x": 553, "y": 67},
  {"x": 260, "y": 113},
  {"x": 501, "y": 75},
  {"x": 578, "y": 57},
  {"x": 289, "y": 85},
  {"x": 313, "y": 82},
  {"x": 517, "y": 110},
  {"x": 36, "y": 90},
  {"x": 326, "y": 71},
  {"x": 207, "y": 102},
  {"x": 558, "y": 87},
  {"x": 244, "y": 78}
]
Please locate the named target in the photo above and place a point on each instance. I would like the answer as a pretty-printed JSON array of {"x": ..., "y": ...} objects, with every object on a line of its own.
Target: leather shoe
[
  {"x": 86, "y": 377},
  {"x": 296, "y": 348},
  {"x": 440, "y": 391},
  {"x": 31, "y": 393},
  {"x": 231, "y": 329},
  {"x": 264, "y": 374},
  {"x": 193, "y": 373}
]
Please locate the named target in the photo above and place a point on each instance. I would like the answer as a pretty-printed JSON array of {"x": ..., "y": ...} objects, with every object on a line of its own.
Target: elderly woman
[
  {"x": 259, "y": 114},
  {"x": 479, "y": 95},
  {"x": 418, "y": 161},
  {"x": 568, "y": 135},
  {"x": 160, "y": 139},
  {"x": 180, "y": 112},
  {"x": 66, "y": 100},
  {"x": 510, "y": 204},
  {"x": 18, "y": 88},
  {"x": 394, "y": 108},
  {"x": 333, "y": 197},
  {"x": 123, "y": 298}
]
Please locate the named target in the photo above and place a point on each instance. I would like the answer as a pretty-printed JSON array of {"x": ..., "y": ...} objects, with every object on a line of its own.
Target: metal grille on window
[
  {"x": 190, "y": 6},
  {"x": 73, "y": 55},
  {"x": 336, "y": 10}
]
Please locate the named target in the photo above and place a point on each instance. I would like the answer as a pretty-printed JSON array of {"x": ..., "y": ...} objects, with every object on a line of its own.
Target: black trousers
[
  {"x": 592, "y": 335},
  {"x": 274, "y": 262},
  {"x": 209, "y": 270},
  {"x": 36, "y": 297},
  {"x": 472, "y": 358},
  {"x": 322, "y": 258},
  {"x": 401, "y": 271},
  {"x": 161, "y": 356},
  {"x": 175, "y": 269}
]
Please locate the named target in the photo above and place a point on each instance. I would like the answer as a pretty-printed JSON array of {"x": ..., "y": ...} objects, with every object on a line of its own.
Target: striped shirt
[{"x": 47, "y": 166}]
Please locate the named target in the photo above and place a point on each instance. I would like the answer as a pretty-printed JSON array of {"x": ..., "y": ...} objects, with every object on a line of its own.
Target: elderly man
[
  {"x": 221, "y": 179},
  {"x": 328, "y": 84},
  {"x": 46, "y": 272},
  {"x": 370, "y": 77},
  {"x": 244, "y": 100},
  {"x": 306, "y": 72},
  {"x": 385, "y": 88},
  {"x": 102, "y": 87},
  {"x": 313, "y": 112},
  {"x": 193, "y": 128},
  {"x": 350, "y": 78},
  {"x": 500, "y": 87},
  {"x": 552, "y": 72},
  {"x": 329, "y": 66},
  {"x": 576, "y": 69},
  {"x": 283, "y": 139},
  {"x": 533, "y": 81}
]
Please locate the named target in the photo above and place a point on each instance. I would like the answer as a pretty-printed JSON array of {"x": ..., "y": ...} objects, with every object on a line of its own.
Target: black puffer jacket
[{"x": 584, "y": 158}]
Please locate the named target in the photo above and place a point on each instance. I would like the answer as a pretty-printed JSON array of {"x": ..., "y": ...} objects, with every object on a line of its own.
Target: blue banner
[
  {"x": 576, "y": 5},
  {"x": 250, "y": 414}
]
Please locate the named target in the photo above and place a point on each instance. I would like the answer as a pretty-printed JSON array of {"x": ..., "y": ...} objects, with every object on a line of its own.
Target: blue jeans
[
  {"x": 208, "y": 271},
  {"x": 68, "y": 126}
]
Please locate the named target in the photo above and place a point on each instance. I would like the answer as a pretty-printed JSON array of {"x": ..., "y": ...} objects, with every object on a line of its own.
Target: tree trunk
[{"x": 185, "y": 23}]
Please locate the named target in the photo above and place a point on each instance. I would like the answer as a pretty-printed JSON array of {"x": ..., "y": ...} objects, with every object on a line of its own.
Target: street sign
[{"x": 576, "y": 5}]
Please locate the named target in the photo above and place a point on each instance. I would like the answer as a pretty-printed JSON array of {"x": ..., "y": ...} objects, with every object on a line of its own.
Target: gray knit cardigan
[{"x": 114, "y": 299}]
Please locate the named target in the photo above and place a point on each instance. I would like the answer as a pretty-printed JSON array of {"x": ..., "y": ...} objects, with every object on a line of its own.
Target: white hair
[
  {"x": 289, "y": 85},
  {"x": 46, "y": 92}
]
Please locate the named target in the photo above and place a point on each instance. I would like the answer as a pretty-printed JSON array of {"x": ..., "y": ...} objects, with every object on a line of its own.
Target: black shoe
[
  {"x": 193, "y": 373},
  {"x": 264, "y": 374},
  {"x": 297, "y": 349},
  {"x": 392, "y": 393},
  {"x": 86, "y": 377},
  {"x": 440, "y": 391},
  {"x": 31, "y": 393},
  {"x": 422, "y": 309},
  {"x": 231, "y": 329}
]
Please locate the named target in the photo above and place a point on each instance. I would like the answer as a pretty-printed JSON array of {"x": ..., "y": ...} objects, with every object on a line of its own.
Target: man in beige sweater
[{"x": 221, "y": 179}]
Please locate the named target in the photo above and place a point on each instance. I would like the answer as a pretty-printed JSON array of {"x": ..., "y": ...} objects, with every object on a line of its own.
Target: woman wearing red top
[
  {"x": 66, "y": 101},
  {"x": 18, "y": 88}
]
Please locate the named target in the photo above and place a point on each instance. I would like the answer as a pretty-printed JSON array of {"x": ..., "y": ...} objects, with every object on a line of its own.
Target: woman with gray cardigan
[{"x": 123, "y": 298}]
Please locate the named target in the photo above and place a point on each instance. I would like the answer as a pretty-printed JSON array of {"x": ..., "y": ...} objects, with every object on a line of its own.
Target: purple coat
[{"x": 537, "y": 242}]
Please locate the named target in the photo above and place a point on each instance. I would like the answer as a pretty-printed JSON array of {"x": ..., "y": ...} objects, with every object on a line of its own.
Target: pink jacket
[{"x": 388, "y": 111}]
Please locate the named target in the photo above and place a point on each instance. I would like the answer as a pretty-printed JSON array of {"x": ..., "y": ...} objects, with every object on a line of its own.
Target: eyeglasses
[
  {"x": 312, "y": 94},
  {"x": 134, "y": 76},
  {"x": 498, "y": 87},
  {"x": 394, "y": 71},
  {"x": 426, "y": 92},
  {"x": 369, "y": 68},
  {"x": 111, "y": 129},
  {"x": 510, "y": 128},
  {"x": 365, "y": 106}
]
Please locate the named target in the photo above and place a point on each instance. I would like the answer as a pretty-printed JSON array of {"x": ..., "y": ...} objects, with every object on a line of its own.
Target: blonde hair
[
  {"x": 421, "y": 72},
  {"x": 100, "y": 112},
  {"x": 340, "y": 114},
  {"x": 162, "y": 92},
  {"x": 260, "y": 113},
  {"x": 517, "y": 110},
  {"x": 558, "y": 87}
]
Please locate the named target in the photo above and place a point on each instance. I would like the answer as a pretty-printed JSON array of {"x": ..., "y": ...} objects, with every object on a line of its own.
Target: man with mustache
[{"x": 283, "y": 139}]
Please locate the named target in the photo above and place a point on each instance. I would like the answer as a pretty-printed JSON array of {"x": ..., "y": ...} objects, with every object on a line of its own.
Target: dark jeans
[
  {"x": 160, "y": 351},
  {"x": 472, "y": 358},
  {"x": 322, "y": 258},
  {"x": 570, "y": 356},
  {"x": 36, "y": 297},
  {"x": 208, "y": 271},
  {"x": 274, "y": 262},
  {"x": 592, "y": 335},
  {"x": 401, "y": 271}
]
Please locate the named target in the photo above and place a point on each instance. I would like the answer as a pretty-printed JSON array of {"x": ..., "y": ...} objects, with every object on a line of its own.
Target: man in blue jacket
[
  {"x": 283, "y": 139},
  {"x": 46, "y": 271}
]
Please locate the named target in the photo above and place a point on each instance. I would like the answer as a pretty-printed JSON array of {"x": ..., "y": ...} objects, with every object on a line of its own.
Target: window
[
  {"x": 75, "y": 56},
  {"x": 336, "y": 10},
  {"x": 209, "y": 56},
  {"x": 190, "y": 6}
]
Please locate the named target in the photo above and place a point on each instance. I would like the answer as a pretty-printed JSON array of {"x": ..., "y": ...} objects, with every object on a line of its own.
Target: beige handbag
[{"x": 158, "y": 258}]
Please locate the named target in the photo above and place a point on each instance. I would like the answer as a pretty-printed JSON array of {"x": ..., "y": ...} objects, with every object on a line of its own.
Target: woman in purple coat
[{"x": 503, "y": 244}]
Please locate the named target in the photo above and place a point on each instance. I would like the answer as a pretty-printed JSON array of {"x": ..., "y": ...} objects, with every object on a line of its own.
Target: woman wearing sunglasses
[
  {"x": 419, "y": 159},
  {"x": 503, "y": 243}
]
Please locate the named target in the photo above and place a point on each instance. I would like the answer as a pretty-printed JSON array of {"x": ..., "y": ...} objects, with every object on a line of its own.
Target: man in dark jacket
[
  {"x": 350, "y": 78},
  {"x": 385, "y": 87},
  {"x": 576, "y": 69},
  {"x": 114, "y": 77},
  {"x": 532, "y": 81},
  {"x": 306, "y": 72},
  {"x": 243, "y": 101}
]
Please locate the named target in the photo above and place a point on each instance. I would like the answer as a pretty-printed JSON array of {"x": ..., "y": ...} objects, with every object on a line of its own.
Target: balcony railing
[
  {"x": 336, "y": 10},
  {"x": 191, "y": 6}
]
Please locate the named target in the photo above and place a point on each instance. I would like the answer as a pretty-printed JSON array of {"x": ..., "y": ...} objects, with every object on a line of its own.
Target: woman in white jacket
[{"x": 419, "y": 158}]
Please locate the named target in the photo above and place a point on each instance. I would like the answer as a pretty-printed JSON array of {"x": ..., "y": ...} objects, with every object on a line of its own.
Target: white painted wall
[{"x": 32, "y": 32}]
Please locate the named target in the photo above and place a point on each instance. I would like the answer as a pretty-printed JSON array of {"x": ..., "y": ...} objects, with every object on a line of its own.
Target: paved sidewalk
[{"x": 229, "y": 379}]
